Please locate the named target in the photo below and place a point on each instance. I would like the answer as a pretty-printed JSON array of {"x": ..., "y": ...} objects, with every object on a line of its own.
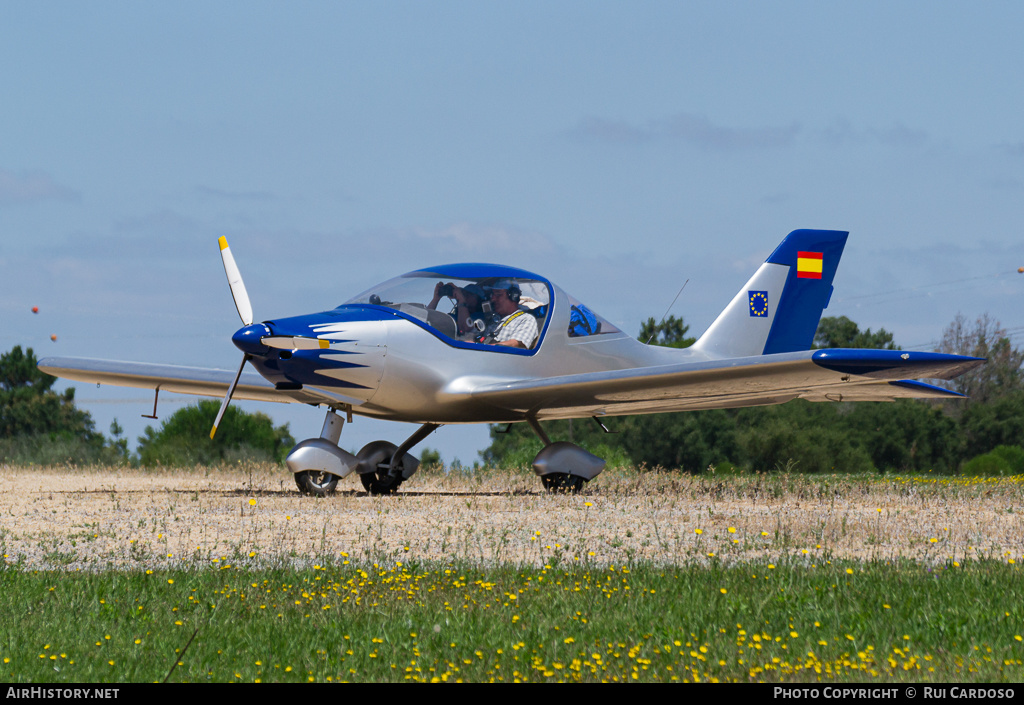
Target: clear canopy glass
[{"x": 458, "y": 307}]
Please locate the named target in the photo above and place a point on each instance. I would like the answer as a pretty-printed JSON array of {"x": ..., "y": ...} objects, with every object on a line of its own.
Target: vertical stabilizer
[{"x": 779, "y": 308}]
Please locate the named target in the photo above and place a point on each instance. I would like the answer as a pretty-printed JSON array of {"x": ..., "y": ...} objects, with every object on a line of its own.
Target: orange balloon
[
  {"x": 53, "y": 338},
  {"x": 35, "y": 309},
  {"x": 1020, "y": 270}
]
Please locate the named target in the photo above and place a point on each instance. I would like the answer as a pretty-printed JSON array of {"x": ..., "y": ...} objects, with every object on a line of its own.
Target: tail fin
[{"x": 779, "y": 308}]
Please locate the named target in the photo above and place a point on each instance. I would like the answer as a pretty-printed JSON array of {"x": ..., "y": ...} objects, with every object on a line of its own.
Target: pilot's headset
[{"x": 511, "y": 288}]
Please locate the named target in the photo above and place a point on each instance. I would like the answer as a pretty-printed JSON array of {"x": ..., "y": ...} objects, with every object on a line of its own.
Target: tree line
[{"x": 980, "y": 434}]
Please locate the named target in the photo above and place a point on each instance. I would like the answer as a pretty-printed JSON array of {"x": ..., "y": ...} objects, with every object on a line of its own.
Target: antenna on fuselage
[{"x": 666, "y": 312}]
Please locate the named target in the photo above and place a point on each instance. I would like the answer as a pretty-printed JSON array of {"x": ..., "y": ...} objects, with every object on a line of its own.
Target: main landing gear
[
  {"x": 562, "y": 466},
  {"x": 318, "y": 463}
]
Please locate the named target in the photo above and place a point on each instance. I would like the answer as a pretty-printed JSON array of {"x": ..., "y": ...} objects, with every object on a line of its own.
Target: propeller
[
  {"x": 241, "y": 297},
  {"x": 227, "y": 398},
  {"x": 238, "y": 292}
]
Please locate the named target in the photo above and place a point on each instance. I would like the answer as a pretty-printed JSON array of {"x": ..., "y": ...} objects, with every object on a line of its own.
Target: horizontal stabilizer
[{"x": 895, "y": 364}]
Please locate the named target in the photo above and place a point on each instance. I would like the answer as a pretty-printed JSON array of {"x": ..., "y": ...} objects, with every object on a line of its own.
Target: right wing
[
  {"x": 182, "y": 380},
  {"x": 814, "y": 375}
]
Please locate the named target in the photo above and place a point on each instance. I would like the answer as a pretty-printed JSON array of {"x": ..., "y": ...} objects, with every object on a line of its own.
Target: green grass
[{"x": 798, "y": 621}]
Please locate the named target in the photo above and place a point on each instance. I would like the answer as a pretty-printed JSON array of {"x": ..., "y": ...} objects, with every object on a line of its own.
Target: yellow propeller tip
[
  {"x": 223, "y": 242},
  {"x": 213, "y": 431}
]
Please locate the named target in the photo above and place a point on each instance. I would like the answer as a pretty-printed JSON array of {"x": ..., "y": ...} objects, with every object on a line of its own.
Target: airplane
[{"x": 397, "y": 352}]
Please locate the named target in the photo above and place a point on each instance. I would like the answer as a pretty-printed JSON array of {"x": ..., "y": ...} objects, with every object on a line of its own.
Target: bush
[
  {"x": 1014, "y": 457},
  {"x": 779, "y": 446},
  {"x": 184, "y": 438},
  {"x": 987, "y": 465}
]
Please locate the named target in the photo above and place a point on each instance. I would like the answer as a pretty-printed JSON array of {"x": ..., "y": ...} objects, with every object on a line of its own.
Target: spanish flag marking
[{"x": 808, "y": 265}]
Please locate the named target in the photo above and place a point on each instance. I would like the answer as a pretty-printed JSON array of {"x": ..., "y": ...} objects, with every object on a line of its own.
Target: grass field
[{"x": 229, "y": 575}]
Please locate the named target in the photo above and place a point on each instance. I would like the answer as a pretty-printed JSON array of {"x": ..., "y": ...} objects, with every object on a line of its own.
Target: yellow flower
[
  {"x": 723, "y": 591},
  {"x": 252, "y": 502}
]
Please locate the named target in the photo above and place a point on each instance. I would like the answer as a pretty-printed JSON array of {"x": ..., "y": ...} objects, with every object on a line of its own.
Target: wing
[
  {"x": 182, "y": 380},
  {"x": 815, "y": 375}
]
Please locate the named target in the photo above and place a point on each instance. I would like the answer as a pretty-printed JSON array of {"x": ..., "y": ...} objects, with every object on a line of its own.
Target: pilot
[
  {"x": 517, "y": 327},
  {"x": 468, "y": 304}
]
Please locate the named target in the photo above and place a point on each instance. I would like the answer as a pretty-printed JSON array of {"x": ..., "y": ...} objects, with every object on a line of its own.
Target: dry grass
[{"x": 112, "y": 517}]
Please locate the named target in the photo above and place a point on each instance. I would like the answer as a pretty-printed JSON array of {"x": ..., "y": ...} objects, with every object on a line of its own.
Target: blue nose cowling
[{"x": 247, "y": 339}]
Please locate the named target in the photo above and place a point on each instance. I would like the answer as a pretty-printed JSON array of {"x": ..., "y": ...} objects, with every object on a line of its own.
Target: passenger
[
  {"x": 517, "y": 327},
  {"x": 468, "y": 303}
]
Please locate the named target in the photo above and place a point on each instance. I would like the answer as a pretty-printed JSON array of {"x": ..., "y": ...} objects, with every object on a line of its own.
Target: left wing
[
  {"x": 183, "y": 380},
  {"x": 815, "y": 375}
]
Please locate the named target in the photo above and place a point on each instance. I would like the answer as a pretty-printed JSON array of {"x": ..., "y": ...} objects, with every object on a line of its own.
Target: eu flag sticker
[{"x": 758, "y": 303}]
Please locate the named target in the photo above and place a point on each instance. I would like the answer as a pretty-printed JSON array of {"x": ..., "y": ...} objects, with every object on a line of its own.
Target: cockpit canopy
[{"x": 453, "y": 301}]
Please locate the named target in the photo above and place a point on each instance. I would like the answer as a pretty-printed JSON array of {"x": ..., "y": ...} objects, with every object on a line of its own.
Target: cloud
[
  {"x": 686, "y": 127},
  {"x": 840, "y": 132},
  {"x": 700, "y": 131},
  {"x": 29, "y": 186},
  {"x": 225, "y": 194},
  {"x": 493, "y": 241}
]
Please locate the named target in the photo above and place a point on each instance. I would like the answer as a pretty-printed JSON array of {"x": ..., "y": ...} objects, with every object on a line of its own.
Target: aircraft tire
[
  {"x": 380, "y": 484},
  {"x": 316, "y": 483},
  {"x": 562, "y": 483},
  {"x": 378, "y": 454}
]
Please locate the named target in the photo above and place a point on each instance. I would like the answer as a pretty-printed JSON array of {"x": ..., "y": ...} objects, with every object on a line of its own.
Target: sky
[{"x": 619, "y": 149}]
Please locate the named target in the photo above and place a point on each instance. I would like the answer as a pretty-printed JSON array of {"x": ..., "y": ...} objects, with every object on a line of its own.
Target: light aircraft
[{"x": 423, "y": 348}]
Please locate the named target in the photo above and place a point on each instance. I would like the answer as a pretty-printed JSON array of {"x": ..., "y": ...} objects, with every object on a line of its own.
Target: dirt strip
[{"x": 94, "y": 519}]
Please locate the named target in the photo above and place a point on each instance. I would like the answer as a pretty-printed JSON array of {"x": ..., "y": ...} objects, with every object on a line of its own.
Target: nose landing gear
[
  {"x": 318, "y": 463},
  {"x": 316, "y": 483}
]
